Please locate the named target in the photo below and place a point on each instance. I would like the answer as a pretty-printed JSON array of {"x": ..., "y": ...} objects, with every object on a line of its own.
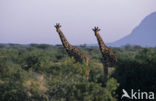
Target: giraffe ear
[
  {"x": 93, "y": 29},
  {"x": 99, "y": 29}
]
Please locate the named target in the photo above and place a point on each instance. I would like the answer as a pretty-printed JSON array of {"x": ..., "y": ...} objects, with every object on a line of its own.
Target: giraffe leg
[
  {"x": 105, "y": 70},
  {"x": 105, "y": 73}
]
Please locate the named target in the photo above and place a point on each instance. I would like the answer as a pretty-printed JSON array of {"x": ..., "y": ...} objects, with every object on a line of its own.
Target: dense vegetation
[{"x": 46, "y": 73}]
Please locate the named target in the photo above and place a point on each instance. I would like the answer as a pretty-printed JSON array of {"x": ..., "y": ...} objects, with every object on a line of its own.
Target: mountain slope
[{"x": 143, "y": 35}]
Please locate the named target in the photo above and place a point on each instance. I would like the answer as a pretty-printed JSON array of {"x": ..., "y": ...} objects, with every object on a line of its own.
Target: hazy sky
[{"x": 32, "y": 21}]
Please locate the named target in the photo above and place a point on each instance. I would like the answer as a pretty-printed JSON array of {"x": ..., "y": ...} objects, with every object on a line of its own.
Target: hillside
[{"x": 144, "y": 34}]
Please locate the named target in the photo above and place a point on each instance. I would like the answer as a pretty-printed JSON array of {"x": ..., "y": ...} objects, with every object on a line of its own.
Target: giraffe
[
  {"x": 108, "y": 57},
  {"x": 71, "y": 50}
]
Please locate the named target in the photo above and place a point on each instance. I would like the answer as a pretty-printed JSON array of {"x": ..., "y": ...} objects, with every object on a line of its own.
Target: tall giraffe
[
  {"x": 71, "y": 50},
  {"x": 108, "y": 58}
]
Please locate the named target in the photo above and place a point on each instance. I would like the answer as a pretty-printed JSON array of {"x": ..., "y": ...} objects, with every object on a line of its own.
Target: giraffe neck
[
  {"x": 65, "y": 43},
  {"x": 100, "y": 41}
]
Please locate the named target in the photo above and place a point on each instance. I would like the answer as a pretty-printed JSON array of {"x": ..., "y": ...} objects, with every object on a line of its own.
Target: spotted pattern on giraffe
[{"x": 71, "y": 50}]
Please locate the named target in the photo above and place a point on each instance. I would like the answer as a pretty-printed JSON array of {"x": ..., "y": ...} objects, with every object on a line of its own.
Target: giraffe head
[
  {"x": 57, "y": 26},
  {"x": 96, "y": 30}
]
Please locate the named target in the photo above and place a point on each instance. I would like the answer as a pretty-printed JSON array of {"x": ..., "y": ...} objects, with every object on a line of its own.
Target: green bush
[{"x": 46, "y": 73}]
